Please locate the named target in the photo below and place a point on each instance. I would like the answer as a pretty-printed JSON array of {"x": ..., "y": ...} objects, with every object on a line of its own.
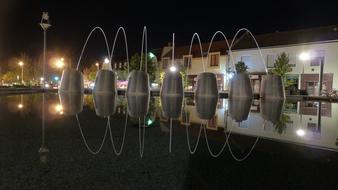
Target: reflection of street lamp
[
  {"x": 300, "y": 132},
  {"x": 20, "y": 106},
  {"x": 21, "y": 65},
  {"x": 43, "y": 150}
]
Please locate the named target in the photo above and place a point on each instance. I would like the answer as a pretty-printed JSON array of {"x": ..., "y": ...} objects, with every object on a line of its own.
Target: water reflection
[
  {"x": 138, "y": 105},
  {"x": 305, "y": 123},
  {"x": 171, "y": 106},
  {"x": 105, "y": 104},
  {"x": 239, "y": 108},
  {"x": 206, "y": 107},
  {"x": 271, "y": 109},
  {"x": 70, "y": 103}
]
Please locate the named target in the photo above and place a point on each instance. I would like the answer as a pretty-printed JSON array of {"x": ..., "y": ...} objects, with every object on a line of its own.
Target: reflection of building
[
  {"x": 307, "y": 123},
  {"x": 320, "y": 44}
]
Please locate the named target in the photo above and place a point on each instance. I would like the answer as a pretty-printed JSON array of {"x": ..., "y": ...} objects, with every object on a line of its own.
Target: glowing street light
[
  {"x": 20, "y": 106},
  {"x": 304, "y": 56},
  {"x": 60, "y": 63},
  {"x": 21, "y": 65},
  {"x": 106, "y": 60},
  {"x": 97, "y": 65}
]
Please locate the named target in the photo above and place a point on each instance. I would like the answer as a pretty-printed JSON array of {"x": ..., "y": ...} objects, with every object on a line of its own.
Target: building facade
[{"x": 313, "y": 53}]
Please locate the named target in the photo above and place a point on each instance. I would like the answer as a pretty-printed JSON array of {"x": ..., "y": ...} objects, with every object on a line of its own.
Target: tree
[
  {"x": 134, "y": 64},
  {"x": 241, "y": 67},
  {"x": 280, "y": 125},
  {"x": 31, "y": 70},
  {"x": 90, "y": 73},
  {"x": 282, "y": 67},
  {"x": 183, "y": 73},
  {"x": 122, "y": 74},
  {"x": 9, "y": 77}
]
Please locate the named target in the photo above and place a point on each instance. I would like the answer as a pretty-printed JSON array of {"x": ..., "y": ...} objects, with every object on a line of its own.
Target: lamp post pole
[
  {"x": 21, "y": 65},
  {"x": 44, "y": 25}
]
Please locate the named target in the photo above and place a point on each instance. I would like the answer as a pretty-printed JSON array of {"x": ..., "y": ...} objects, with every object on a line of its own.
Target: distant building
[{"x": 319, "y": 44}]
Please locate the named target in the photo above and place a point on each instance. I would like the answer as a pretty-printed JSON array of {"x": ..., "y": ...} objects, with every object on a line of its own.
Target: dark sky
[{"x": 73, "y": 20}]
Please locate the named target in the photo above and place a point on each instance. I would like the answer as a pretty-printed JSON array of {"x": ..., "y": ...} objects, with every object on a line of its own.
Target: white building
[{"x": 315, "y": 46}]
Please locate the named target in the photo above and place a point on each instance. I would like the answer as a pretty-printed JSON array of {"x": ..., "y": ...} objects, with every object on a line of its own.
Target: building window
[
  {"x": 316, "y": 61},
  {"x": 187, "y": 61},
  {"x": 318, "y": 58},
  {"x": 270, "y": 61},
  {"x": 165, "y": 62},
  {"x": 214, "y": 60}
]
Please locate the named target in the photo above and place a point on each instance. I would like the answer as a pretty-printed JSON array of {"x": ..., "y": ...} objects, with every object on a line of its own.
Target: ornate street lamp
[{"x": 44, "y": 23}]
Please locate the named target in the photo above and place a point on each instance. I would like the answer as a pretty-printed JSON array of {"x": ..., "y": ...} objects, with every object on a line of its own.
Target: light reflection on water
[
  {"x": 272, "y": 138},
  {"x": 305, "y": 123}
]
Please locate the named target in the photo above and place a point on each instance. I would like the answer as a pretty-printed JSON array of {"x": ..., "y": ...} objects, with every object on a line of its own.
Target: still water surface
[{"x": 263, "y": 144}]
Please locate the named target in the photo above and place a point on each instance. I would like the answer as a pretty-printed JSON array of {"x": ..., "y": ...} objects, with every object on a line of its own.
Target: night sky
[{"x": 72, "y": 21}]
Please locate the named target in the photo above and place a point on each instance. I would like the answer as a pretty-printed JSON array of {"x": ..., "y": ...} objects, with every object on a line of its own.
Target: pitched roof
[
  {"x": 310, "y": 35},
  {"x": 318, "y": 34},
  {"x": 217, "y": 46}
]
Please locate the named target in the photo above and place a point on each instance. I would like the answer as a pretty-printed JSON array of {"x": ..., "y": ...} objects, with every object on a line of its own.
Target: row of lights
[{"x": 59, "y": 63}]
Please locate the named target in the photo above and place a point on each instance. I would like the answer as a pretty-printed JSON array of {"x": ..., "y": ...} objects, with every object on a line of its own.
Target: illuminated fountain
[{"x": 171, "y": 94}]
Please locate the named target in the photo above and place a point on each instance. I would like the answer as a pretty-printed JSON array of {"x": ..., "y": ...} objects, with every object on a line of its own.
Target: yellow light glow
[
  {"x": 59, "y": 63},
  {"x": 58, "y": 108},
  {"x": 20, "y": 106},
  {"x": 21, "y": 63}
]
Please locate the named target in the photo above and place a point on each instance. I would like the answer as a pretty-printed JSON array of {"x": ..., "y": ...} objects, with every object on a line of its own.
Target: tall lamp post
[
  {"x": 44, "y": 23},
  {"x": 21, "y": 65}
]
